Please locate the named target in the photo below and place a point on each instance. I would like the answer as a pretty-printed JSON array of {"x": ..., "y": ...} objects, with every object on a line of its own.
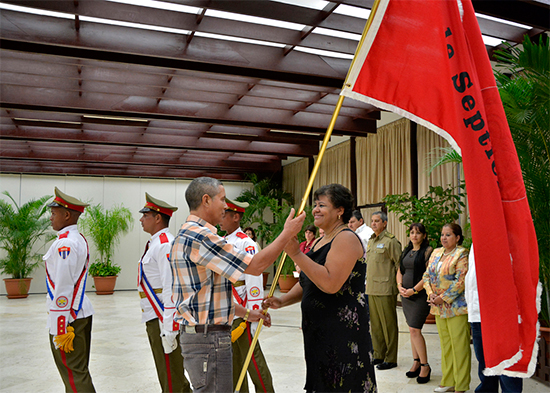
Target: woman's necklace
[
  {"x": 332, "y": 234},
  {"x": 335, "y": 231},
  {"x": 450, "y": 252},
  {"x": 413, "y": 251}
]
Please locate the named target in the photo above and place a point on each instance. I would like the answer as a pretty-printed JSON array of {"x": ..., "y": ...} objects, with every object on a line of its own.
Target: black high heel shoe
[
  {"x": 415, "y": 373},
  {"x": 425, "y": 379}
]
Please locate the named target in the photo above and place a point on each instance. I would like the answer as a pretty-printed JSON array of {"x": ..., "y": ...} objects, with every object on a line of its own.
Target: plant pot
[
  {"x": 17, "y": 288},
  {"x": 105, "y": 285},
  {"x": 542, "y": 369},
  {"x": 266, "y": 275},
  {"x": 286, "y": 282}
]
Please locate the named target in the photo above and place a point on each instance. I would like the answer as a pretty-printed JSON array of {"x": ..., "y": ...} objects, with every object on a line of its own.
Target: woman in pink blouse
[
  {"x": 444, "y": 284},
  {"x": 311, "y": 231}
]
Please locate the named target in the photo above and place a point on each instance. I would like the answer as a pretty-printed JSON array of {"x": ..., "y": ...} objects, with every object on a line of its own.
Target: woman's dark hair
[
  {"x": 420, "y": 228},
  {"x": 312, "y": 229},
  {"x": 339, "y": 196},
  {"x": 420, "y": 258},
  {"x": 457, "y": 230},
  {"x": 253, "y": 237}
]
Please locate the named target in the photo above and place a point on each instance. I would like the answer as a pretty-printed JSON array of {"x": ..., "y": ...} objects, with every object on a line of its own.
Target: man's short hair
[
  {"x": 383, "y": 216},
  {"x": 233, "y": 212},
  {"x": 199, "y": 187},
  {"x": 165, "y": 218},
  {"x": 357, "y": 214}
]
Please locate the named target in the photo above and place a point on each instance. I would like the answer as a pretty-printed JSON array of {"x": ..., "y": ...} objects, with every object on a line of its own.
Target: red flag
[{"x": 427, "y": 62}]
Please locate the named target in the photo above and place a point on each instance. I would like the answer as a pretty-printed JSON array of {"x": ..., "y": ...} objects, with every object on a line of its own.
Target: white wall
[{"x": 109, "y": 192}]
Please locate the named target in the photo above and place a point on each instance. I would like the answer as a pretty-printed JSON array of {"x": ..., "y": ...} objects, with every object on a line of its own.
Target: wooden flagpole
[{"x": 305, "y": 197}]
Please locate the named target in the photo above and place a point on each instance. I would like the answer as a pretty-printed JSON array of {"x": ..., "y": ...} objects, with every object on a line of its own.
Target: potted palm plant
[
  {"x": 524, "y": 88},
  {"x": 104, "y": 227},
  {"x": 20, "y": 228}
]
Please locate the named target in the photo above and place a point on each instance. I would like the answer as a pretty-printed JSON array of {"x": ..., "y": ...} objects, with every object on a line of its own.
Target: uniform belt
[
  {"x": 208, "y": 328},
  {"x": 142, "y": 295},
  {"x": 239, "y": 284}
]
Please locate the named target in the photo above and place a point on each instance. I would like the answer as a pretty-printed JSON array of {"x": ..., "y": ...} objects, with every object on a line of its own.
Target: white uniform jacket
[
  {"x": 66, "y": 273},
  {"x": 470, "y": 290},
  {"x": 156, "y": 269},
  {"x": 253, "y": 290},
  {"x": 364, "y": 232}
]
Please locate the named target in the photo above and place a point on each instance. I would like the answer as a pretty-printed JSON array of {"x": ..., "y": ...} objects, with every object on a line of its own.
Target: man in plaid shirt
[{"x": 203, "y": 267}]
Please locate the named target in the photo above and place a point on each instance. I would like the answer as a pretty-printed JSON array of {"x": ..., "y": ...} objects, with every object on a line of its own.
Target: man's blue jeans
[
  {"x": 208, "y": 360},
  {"x": 490, "y": 384}
]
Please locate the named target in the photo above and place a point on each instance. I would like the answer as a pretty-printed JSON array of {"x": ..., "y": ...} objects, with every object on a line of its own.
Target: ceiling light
[
  {"x": 506, "y": 22},
  {"x": 161, "y": 5},
  {"x": 253, "y": 19},
  {"x": 336, "y": 33},
  {"x": 314, "y": 4},
  {"x": 35, "y": 11},
  {"x": 349, "y": 10},
  {"x": 294, "y": 132},
  {"x": 133, "y": 25},
  {"x": 115, "y": 118},
  {"x": 491, "y": 41},
  {"x": 21, "y": 119},
  {"x": 326, "y": 53},
  {"x": 238, "y": 39}
]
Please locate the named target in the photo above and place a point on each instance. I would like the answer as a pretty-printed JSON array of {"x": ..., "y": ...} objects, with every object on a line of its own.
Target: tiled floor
[{"x": 121, "y": 360}]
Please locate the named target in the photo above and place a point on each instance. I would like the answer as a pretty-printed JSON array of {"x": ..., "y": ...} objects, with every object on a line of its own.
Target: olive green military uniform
[{"x": 383, "y": 253}]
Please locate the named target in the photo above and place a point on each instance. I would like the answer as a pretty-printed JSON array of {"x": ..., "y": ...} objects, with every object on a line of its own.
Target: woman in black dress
[
  {"x": 414, "y": 260},
  {"x": 335, "y": 319}
]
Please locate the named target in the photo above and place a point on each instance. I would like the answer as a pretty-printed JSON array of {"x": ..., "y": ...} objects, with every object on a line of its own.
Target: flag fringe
[{"x": 501, "y": 368}]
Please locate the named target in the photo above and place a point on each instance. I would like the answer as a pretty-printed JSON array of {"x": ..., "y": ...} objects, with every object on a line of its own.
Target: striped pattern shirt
[{"x": 203, "y": 267}]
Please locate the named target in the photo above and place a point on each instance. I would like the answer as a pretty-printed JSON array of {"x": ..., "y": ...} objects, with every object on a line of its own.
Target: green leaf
[
  {"x": 437, "y": 208},
  {"x": 105, "y": 227},
  {"x": 21, "y": 227}
]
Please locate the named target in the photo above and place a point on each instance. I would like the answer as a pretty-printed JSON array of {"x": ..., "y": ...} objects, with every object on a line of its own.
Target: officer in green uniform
[{"x": 383, "y": 253}]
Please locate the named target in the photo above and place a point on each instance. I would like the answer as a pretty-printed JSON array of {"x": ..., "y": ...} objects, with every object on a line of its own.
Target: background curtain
[
  {"x": 295, "y": 178},
  {"x": 443, "y": 175},
  {"x": 383, "y": 167},
  {"x": 335, "y": 167}
]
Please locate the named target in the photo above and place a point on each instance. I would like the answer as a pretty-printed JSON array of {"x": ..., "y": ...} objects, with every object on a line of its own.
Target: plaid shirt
[{"x": 202, "y": 263}]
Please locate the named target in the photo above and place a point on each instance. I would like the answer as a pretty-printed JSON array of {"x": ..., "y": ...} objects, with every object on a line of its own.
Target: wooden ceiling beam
[
  {"x": 56, "y": 154},
  {"x": 111, "y": 170},
  {"x": 159, "y": 142},
  {"x": 302, "y": 122}
]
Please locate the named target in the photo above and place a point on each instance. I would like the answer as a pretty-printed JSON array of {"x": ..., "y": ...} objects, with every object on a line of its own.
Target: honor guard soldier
[
  {"x": 70, "y": 311},
  {"x": 248, "y": 294},
  {"x": 155, "y": 291}
]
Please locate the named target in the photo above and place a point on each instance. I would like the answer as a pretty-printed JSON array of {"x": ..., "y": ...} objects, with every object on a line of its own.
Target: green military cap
[
  {"x": 67, "y": 201},
  {"x": 236, "y": 206},
  {"x": 156, "y": 205}
]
